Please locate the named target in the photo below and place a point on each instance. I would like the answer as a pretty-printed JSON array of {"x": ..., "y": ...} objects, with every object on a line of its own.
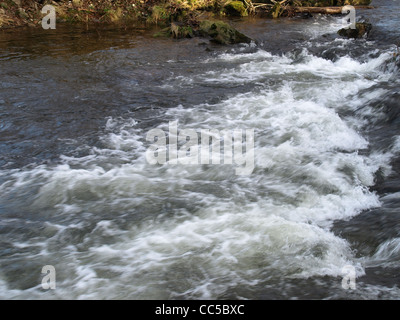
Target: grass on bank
[{"x": 160, "y": 12}]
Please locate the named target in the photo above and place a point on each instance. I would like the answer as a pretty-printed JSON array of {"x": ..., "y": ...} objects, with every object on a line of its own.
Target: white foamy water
[{"x": 115, "y": 226}]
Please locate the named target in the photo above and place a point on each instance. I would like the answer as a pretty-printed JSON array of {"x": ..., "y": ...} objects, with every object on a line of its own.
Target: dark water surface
[{"x": 77, "y": 193}]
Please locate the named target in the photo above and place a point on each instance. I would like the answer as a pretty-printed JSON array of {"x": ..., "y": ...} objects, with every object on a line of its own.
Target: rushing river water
[{"x": 78, "y": 193}]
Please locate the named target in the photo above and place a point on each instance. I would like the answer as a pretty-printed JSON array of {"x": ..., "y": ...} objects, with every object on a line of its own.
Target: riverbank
[
  {"x": 77, "y": 192},
  {"x": 125, "y": 13}
]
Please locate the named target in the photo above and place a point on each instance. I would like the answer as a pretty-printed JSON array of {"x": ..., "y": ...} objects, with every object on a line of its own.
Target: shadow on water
[{"x": 57, "y": 83}]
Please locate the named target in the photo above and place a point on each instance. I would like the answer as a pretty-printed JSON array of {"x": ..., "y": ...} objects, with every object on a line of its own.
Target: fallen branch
[
  {"x": 250, "y": 7},
  {"x": 325, "y": 10},
  {"x": 259, "y": 5}
]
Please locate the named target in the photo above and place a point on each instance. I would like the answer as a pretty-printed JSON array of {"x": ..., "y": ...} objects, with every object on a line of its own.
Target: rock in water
[
  {"x": 362, "y": 29},
  {"x": 222, "y": 33},
  {"x": 235, "y": 9}
]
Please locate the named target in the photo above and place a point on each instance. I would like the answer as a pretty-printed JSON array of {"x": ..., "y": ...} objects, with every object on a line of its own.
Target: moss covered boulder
[
  {"x": 362, "y": 30},
  {"x": 221, "y": 32},
  {"x": 235, "y": 9}
]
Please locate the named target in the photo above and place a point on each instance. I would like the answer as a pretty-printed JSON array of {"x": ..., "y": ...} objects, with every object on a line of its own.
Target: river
[{"x": 77, "y": 190}]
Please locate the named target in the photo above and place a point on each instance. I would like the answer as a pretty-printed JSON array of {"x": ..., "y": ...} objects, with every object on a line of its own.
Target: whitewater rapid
[{"x": 115, "y": 226}]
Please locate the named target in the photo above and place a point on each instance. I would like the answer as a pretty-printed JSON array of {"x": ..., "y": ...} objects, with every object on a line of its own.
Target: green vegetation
[
  {"x": 235, "y": 8},
  {"x": 153, "y": 12},
  {"x": 276, "y": 10}
]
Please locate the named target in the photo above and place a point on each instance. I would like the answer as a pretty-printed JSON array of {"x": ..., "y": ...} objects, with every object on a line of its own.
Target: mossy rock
[
  {"x": 362, "y": 29},
  {"x": 235, "y": 9},
  {"x": 222, "y": 33}
]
